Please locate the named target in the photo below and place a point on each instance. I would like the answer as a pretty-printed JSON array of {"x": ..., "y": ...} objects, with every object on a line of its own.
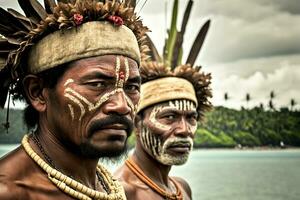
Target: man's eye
[
  {"x": 169, "y": 117},
  {"x": 96, "y": 84},
  {"x": 193, "y": 117},
  {"x": 132, "y": 88}
]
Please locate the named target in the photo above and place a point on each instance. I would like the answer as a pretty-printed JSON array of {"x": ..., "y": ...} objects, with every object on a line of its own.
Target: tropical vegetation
[{"x": 223, "y": 127}]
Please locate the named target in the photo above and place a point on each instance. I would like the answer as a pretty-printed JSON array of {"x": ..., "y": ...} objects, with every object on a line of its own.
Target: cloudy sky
[{"x": 251, "y": 47}]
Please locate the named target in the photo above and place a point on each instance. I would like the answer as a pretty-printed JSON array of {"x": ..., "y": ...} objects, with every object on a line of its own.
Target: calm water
[{"x": 238, "y": 175}]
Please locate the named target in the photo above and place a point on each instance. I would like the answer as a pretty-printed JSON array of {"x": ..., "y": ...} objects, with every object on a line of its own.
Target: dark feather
[
  {"x": 63, "y": 1},
  {"x": 180, "y": 35},
  {"x": 4, "y": 84},
  {"x": 176, "y": 50},
  {"x": 33, "y": 9},
  {"x": 131, "y": 3},
  {"x": 49, "y": 6},
  {"x": 22, "y": 19},
  {"x": 6, "y": 30},
  {"x": 153, "y": 51},
  {"x": 198, "y": 44},
  {"x": 8, "y": 19},
  {"x": 6, "y": 46}
]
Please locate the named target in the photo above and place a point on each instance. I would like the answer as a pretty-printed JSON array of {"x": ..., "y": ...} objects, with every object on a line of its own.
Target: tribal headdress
[
  {"x": 165, "y": 78},
  {"x": 64, "y": 31}
]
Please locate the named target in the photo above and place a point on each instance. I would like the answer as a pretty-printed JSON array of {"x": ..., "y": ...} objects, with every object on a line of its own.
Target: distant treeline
[{"x": 223, "y": 127}]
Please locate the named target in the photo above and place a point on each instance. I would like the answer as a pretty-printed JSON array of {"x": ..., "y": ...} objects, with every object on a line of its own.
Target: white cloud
[{"x": 283, "y": 79}]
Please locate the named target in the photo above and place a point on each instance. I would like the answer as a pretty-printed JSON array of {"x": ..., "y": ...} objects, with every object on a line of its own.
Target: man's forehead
[
  {"x": 107, "y": 64},
  {"x": 177, "y": 105}
]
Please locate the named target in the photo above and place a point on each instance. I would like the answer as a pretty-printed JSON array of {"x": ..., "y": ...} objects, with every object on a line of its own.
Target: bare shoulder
[
  {"x": 10, "y": 191},
  {"x": 128, "y": 180},
  {"x": 184, "y": 185},
  {"x": 12, "y": 167}
]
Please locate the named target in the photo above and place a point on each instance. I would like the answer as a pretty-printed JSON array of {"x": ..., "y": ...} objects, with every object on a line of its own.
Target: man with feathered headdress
[
  {"x": 173, "y": 98},
  {"x": 76, "y": 64}
]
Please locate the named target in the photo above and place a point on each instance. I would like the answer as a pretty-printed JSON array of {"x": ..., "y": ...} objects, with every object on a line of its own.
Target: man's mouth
[
  {"x": 114, "y": 132},
  {"x": 116, "y": 127},
  {"x": 180, "y": 148}
]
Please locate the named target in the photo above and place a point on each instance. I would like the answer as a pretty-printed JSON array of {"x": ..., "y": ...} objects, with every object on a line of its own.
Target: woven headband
[
  {"x": 90, "y": 39},
  {"x": 165, "y": 89}
]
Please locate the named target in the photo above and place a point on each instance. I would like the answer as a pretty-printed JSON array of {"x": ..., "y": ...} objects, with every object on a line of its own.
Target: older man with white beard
[{"x": 172, "y": 101}]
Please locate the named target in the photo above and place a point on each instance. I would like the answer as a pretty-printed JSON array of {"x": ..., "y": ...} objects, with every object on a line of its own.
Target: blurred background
[{"x": 248, "y": 146}]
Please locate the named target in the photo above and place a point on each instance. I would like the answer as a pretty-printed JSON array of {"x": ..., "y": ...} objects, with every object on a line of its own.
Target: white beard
[{"x": 158, "y": 150}]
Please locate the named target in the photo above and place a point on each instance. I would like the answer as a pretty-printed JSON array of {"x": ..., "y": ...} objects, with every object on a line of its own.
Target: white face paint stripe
[
  {"x": 79, "y": 96},
  {"x": 152, "y": 118},
  {"x": 68, "y": 81},
  {"x": 126, "y": 69},
  {"x": 76, "y": 101},
  {"x": 104, "y": 98},
  {"x": 117, "y": 71},
  {"x": 171, "y": 104},
  {"x": 71, "y": 111},
  {"x": 144, "y": 138},
  {"x": 129, "y": 102},
  {"x": 177, "y": 104}
]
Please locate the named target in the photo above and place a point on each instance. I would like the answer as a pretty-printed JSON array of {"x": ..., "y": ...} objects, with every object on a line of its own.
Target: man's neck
[
  {"x": 153, "y": 169},
  {"x": 64, "y": 160}
]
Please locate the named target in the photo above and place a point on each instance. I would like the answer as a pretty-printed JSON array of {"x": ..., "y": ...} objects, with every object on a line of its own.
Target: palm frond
[
  {"x": 153, "y": 51},
  {"x": 176, "y": 58},
  {"x": 171, "y": 36},
  {"x": 194, "y": 52},
  {"x": 33, "y": 10}
]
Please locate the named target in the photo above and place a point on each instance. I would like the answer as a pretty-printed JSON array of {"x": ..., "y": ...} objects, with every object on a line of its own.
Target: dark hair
[
  {"x": 50, "y": 77},
  {"x": 200, "y": 80}
]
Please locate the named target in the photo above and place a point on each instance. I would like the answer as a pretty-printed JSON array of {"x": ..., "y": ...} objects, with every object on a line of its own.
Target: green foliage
[
  {"x": 223, "y": 128},
  {"x": 204, "y": 138},
  {"x": 131, "y": 140},
  {"x": 255, "y": 127},
  {"x": 226, "y": 140},
  {"x": 245, "y": 139}
]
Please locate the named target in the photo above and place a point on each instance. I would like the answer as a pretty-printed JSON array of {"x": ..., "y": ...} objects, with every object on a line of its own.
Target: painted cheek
[{"x": 154, "y": 122}]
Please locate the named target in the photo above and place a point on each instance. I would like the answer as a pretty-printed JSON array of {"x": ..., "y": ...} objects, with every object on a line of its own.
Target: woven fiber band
[
  {"x": 165, "y": 89},
  {"x": 87, "y": 40}
]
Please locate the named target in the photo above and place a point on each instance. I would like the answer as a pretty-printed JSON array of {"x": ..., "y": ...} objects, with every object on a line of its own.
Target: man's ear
[{"x": 35, "y": 92}]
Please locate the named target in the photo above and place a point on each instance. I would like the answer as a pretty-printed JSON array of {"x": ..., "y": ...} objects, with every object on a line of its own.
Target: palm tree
[
  {"x": 293, "y": 103},
  {"x": 272, "y": 95},
  {"x": 271, "y": 105},
  {"x": 248, "y": 98},
  {"x": 226, "y": 97},
  {"x": 261, "y": 106}
]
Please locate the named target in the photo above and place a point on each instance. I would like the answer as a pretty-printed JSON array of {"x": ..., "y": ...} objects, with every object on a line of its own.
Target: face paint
[
  {"x": 71, "y": 111},
  {"x": 153, "y": 120},
  {"x": 68, "y": 81},
  {"x": 159, "y": 150},
  {"x": 79, "y": 100},
  {"x": 152, "y": 142}
]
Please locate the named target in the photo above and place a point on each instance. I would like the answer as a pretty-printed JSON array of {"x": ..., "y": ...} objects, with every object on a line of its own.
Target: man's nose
[
  {"x": 117, "y": 104},
  {"x": 183, "y": 128}
]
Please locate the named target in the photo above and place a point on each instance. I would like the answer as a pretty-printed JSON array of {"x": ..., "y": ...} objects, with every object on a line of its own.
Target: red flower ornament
[
  {"x": 78, "y": 19},
  {"x": 116, "y": 20}
]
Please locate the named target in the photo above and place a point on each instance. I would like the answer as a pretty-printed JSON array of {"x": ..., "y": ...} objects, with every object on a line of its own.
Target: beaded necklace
[
  {"x": 73, "y": 187},
  {"x": 50, "y": 161},
  {"x": 142, "y": 176}
]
